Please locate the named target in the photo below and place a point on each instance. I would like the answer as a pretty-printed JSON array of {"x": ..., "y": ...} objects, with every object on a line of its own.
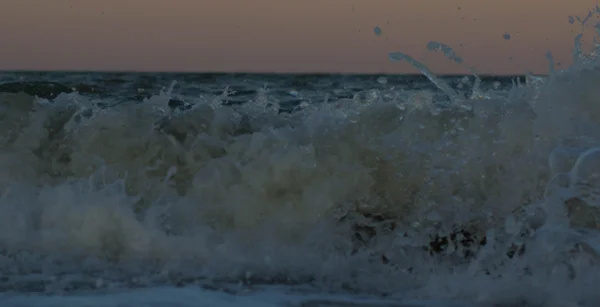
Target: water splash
[
  {"x": 550, "y": 59},
  {"x": 397, "y": 197},
  {"x": 446, "y": 50},
  {"x": 443, "y": 86}
]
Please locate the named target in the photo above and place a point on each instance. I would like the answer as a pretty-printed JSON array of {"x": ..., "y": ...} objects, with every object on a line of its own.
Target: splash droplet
[
  {"x": 377, "y": 31},
  {"x": 447, "y": 50}
]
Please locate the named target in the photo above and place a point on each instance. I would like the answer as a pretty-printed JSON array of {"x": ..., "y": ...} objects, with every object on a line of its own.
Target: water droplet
[
  {"x": 506, "y": 36},
  {"x": 377, "y": 31},
  {"x": 447, "y": 50}
]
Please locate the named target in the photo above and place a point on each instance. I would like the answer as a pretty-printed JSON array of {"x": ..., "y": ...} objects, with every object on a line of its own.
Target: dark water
[{"x": 243, "y": 87}]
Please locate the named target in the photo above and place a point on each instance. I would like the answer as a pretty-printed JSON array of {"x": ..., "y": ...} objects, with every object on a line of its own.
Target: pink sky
[{"x": 284, "y": 36}]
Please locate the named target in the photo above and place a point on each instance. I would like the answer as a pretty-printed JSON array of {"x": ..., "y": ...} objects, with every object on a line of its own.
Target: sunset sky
[{"x": 285, "y": 36}]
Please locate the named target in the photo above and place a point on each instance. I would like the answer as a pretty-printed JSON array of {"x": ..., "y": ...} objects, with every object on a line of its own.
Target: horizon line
[{"x": 285, "y": 73}]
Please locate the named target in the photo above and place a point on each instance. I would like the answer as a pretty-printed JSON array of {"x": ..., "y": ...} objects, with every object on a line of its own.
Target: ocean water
[{"x": 124, "y": 189}]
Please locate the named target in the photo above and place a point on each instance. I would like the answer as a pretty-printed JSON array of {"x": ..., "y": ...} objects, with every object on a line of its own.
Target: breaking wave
[{"x": 491, "y": 198}]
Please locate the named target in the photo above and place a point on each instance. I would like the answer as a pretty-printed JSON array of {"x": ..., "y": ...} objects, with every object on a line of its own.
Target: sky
[{"x": 286, "y": 36}]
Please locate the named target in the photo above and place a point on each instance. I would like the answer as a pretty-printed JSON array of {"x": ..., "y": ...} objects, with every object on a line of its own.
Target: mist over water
[{"x": 490, "y": 198}]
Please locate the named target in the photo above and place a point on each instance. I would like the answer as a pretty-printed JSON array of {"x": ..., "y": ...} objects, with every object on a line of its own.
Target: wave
[{"x": 490, "y": 198}]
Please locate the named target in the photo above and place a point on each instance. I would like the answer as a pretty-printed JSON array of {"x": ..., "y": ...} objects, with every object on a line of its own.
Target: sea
[{"x": 172, "y": 189}]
